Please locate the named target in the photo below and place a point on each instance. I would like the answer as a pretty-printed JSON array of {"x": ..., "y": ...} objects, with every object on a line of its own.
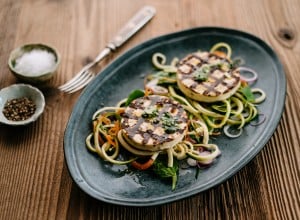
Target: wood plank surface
[{"x": 34, "y": 180}]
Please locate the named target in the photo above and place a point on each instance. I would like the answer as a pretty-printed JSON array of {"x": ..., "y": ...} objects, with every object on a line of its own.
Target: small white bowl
[
  {"x": 18, "y": 91},
  {"x": 37, "y": 77}
]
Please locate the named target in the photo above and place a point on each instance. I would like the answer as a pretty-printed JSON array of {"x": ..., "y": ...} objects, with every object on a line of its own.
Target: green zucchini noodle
[
  {"x": 220, "y": 45},
  {"x": 204, "y": 120}
]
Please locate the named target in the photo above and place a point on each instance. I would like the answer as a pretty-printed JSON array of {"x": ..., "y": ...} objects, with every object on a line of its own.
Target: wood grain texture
[{"x": 34, "y": 179}]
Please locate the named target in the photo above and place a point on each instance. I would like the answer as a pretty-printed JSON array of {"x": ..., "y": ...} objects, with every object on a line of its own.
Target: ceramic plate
[{"x": 110, "y": 183}]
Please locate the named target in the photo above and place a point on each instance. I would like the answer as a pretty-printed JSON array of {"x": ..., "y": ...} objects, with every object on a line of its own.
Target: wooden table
[{"x": 34, "y": 180}]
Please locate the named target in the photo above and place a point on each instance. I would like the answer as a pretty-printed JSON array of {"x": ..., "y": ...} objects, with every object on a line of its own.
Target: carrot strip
[
  {"x": 148, "y": 91},
  {"x": 142, "y": 166},
  {"x": 244, "y": 83},
  {"x": 220, "y": 53},
  {"x": 110, "y": 139},
  {"x": 115, "y": 129},
  {"x": 104, "y": 119},
  {"x": 120, "y": 111}
]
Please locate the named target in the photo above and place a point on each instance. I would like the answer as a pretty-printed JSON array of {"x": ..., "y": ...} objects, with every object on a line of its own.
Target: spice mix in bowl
[{"x": 20, "y": 104}]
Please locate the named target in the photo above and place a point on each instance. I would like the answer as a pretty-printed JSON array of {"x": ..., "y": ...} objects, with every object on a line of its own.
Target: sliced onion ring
[
  {"x": 159, "y": 90},
  {"x": 262, "y": 96},
  {"x": 207, "y": 162},
  {"x": 156, "y": 89},
  {"x": 248, "y": 79},
  {"x": 261, "y": 119},
  {"x": 231, "y": 135}
]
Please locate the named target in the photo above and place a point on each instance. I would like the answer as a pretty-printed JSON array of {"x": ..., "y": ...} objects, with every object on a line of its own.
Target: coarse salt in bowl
[{"x": 34, "y": 63}]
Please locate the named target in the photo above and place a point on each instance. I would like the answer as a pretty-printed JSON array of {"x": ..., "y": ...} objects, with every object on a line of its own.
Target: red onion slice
[
  {"x": 227, "y": 132},
  {"x": 207, "y": 162},
  {"x": 248, "y": 79},
  {"x": 156, "y": 89},
  {"x": 261, "y": 119}
]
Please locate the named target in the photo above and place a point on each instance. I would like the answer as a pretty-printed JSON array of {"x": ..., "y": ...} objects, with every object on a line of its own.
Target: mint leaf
[
  {"x": 166, "y": 172},
  {"x": 134, "y": 95},
  {"x": 246, "y": 91}
]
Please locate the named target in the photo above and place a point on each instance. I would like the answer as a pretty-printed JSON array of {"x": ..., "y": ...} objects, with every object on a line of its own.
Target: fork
[{"x": 87, "y": 74}]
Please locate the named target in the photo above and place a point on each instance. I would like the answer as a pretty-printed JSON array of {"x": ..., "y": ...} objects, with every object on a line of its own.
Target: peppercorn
[{"x": 19, "y": 109}]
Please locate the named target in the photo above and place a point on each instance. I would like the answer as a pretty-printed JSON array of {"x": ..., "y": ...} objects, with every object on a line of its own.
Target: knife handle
[{"x": 132, "y": 26}]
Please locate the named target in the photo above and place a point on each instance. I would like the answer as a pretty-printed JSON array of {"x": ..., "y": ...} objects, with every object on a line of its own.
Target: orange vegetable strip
[
  {"x": 120, "y": 111},
  {"x": 148, "y": 91},
  {"x": 114, "y": 130},
  {"x": 142, "y": 166},
  {"x": 220, "y": 53},
  {"x": 110, "y": 139},
  {"x": 146, "y": 165}
]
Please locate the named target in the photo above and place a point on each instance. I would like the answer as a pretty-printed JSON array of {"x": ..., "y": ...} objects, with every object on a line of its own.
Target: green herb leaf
[
  {"x": 150, "y": 112},
  {"x": 166, "y": 172},
  {"x": 201, "y": 74},
  {"x": 246, "y": 91},
  {"x": 197, "y": 172},
  {"x": 134, "y": 95},
  {"x": 169, "y": 123}
]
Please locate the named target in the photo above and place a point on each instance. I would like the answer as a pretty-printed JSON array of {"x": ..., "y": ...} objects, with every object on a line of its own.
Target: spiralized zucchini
[{"x": 205, "y": 119}]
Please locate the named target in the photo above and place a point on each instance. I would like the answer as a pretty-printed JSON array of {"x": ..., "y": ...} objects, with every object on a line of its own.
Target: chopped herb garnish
[
  {"x": 224, "y": 66},
  {"x": 201, "y": 74},
  {"x": 169, "y": 123},
  {"x": 150, "y": 112},
  {"x": 155, "y": 121}
]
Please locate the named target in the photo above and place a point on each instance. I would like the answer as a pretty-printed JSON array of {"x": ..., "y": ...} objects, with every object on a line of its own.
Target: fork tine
[
  {"x": 72, "y": 81},
  {"x": 81, "y": 86},
  {"x": 80, "y": 82},
  {"x": 76, "y": 82},
  {"x": 77, "y": 76}
]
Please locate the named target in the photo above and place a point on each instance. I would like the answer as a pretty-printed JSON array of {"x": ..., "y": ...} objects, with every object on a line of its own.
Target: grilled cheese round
[
  {"x": 207, "y": 77},
  {"x": 154, "y": 123}
]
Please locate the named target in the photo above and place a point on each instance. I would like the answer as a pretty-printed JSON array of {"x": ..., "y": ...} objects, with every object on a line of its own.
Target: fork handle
[
  {"x": 105, "y": 52},
  {"x": 129, "y": 29},
  {"x": 143, "y": 16}
]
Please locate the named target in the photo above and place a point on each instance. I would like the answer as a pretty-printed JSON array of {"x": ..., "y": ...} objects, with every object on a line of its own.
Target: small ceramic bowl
[
  {"x": 17, "y": 91},
  {"x": 34, "y": 63}
]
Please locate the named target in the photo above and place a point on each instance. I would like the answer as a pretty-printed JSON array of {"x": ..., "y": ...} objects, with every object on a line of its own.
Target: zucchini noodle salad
[{"x": 183, "y": 104}]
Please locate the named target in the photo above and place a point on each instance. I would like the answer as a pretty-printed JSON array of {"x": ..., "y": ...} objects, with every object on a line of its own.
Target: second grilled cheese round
[{"x": 207, "y": 77}]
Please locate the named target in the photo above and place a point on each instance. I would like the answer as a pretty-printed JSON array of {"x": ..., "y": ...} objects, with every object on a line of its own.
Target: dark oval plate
[{"x": 111, "y": 183}]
